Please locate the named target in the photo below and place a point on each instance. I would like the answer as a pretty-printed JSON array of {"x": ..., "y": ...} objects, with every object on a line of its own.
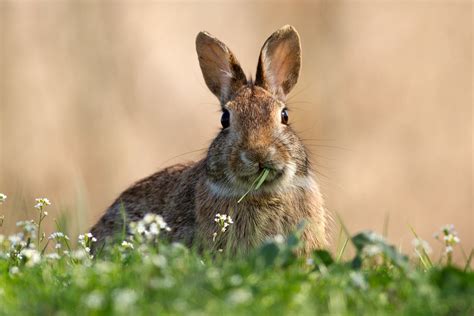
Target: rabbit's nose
[{"x": 262, "y": 157}]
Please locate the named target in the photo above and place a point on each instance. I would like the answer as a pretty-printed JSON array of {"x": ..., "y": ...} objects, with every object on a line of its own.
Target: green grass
[
  {"x": 144, "y": 275},
  {"x": 171, "y": 279}
]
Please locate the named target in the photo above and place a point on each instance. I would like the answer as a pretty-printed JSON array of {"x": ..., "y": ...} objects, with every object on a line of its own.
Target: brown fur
[{"x": 189, "y": 196}]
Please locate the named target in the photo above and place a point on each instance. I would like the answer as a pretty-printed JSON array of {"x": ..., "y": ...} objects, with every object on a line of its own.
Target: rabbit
[{"x": 255, "y": 135}]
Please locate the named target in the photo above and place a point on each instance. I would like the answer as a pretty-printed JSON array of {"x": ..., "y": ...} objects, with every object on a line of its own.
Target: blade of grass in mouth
[{"x": 257, "y": 183}]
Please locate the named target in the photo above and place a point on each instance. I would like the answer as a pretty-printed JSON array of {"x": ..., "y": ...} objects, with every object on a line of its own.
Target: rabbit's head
[{"x": 255, "y": 125}]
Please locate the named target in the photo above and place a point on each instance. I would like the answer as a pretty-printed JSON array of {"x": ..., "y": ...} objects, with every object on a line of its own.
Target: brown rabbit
[{"x": 255, "y": 135}]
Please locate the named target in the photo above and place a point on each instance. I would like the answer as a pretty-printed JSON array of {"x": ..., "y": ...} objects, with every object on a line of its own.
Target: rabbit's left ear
[{"x": 279, "y": 63}]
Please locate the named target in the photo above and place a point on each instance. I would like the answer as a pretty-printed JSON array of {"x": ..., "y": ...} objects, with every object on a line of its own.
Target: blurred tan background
[{"x": 96, "y": 95}]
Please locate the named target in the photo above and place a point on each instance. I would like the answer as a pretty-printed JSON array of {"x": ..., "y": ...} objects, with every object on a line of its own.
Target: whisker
[{"x": 181, "y": 155}]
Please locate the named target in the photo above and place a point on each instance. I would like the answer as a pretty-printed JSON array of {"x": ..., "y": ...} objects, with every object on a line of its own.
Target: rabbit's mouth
[{"x": 273, "y": 176}]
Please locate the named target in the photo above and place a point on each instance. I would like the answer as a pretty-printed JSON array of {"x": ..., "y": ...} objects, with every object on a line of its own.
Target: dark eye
[
  {"x": 284, "y": 116},
  {"x": 225, "y": 119}
]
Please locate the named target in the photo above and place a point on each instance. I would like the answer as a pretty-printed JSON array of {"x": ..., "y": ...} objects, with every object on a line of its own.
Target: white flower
[
  {"x": 94, "y": 300},
  {"x": 58, "y": 236},
  {"x": 14, "y": 270},
  {"x": 159, "y": 261},
  {"x": 81, "y": 254},
  {"x": 15, "y": 239},
  {"x": 154, "y": 229},
  {"x": 239, "y": 296},
  {"x": 223, "y": 221},
  {"x": 450, "y": 238},
  {"x": 421, "y": 245},
  {"x": 41, "y": 203},
  {"x": 28, "y": 226},
  {"x": 32, "y": 256},
  {"x": 371, "y": 250},
  {"x": 127, "y": 245},
  {"x": 52, "y": 256},
  {"x": 3, "y": 198},
  {"x": 124, "y": 299},
  {"x": 149, "y": 227},
  {"x": 279, "y": 239},
  {"x": 149, "y": 218},
  {"x": 448, "y": 249}
]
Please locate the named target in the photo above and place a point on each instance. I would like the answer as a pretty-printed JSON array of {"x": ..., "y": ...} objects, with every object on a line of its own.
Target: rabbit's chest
[{"x": 252, "y": 224}]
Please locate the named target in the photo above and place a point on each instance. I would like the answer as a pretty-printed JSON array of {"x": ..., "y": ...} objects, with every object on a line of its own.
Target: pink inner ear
[
  {"x": 280, "y": 64},
  {"x": 220, "y": 69}
]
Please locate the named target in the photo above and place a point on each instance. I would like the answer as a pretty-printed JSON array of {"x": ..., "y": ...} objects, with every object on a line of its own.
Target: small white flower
[
  {"x": 41, "y": 203},
  {"x": 94, "y": 300},
  {"x": 149, "y": 218},
  {"x": 450, "y": 238},
  {"x": 223, "y": 221},
  {"x": 154, "y": 230},
  {"x": 15, "y": 239},
  {"x": 149, "y": 227},
  {"x": 421, "y": 245},
  {"x": 372, "y": 250},
  {"x": 32, "y": 256},
  {"x": 3, "y": 198},
  {"x": 159, "y": 261},
  {"x": 279, "y": 239},
  {"x": 58, "y": 235},
  {"x": 127, "y": 245},
  {"x": 239, "y": 296},
  {"x": 14, "y": 270},
  {"x": 81, "y": 254},
  {"x": 52, "y": 256},
  {"x": 124, "y": 299},
  {"x": 141, "y": 228},
  {"x": 448, "y": 249}
]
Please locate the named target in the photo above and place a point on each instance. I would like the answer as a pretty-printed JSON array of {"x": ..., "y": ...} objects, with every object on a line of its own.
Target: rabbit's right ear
[{"x": 221, "y": 70}]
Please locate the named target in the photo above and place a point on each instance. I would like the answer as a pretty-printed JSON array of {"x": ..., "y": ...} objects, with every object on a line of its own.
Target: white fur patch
[{"x": 288, "y": 184}]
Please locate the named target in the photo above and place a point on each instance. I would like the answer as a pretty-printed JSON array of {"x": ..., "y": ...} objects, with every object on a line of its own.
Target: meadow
[{"x": 142, "y": 274}]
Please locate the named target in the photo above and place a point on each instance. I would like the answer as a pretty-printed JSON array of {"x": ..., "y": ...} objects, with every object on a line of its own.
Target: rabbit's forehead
[{"x": 254, "y": 103}]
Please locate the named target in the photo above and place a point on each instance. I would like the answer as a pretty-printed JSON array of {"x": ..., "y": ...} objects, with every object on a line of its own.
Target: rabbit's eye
[
  {"x": 225, "y": 119},
  {"x": 284, "y": 116}
]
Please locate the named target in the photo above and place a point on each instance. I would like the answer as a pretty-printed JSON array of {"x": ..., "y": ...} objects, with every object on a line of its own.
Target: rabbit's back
[{"x": 169, "y": 193}]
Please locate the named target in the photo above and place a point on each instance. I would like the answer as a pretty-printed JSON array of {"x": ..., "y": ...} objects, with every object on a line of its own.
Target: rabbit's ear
[
  {"x": 221, "y": 70},
  {"x": 279, "y": 63}
]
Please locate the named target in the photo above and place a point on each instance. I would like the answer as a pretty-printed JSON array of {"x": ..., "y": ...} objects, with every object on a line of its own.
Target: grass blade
[
  {"x": 424, "y": 257},
  {"x": 250, "y": 189},
  {"x": 256, "y": 184},
  {"x": 468, "y": 263},
  {"x": 263, "y": 176},
  {"x": 341, "y": 252}
]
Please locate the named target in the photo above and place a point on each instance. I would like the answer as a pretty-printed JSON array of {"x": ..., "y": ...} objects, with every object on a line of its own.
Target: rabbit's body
[{"x": 255, "y": 136}]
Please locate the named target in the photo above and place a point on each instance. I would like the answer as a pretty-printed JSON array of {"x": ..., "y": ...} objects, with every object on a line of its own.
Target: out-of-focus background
[{"x": 96, "y": 95}]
